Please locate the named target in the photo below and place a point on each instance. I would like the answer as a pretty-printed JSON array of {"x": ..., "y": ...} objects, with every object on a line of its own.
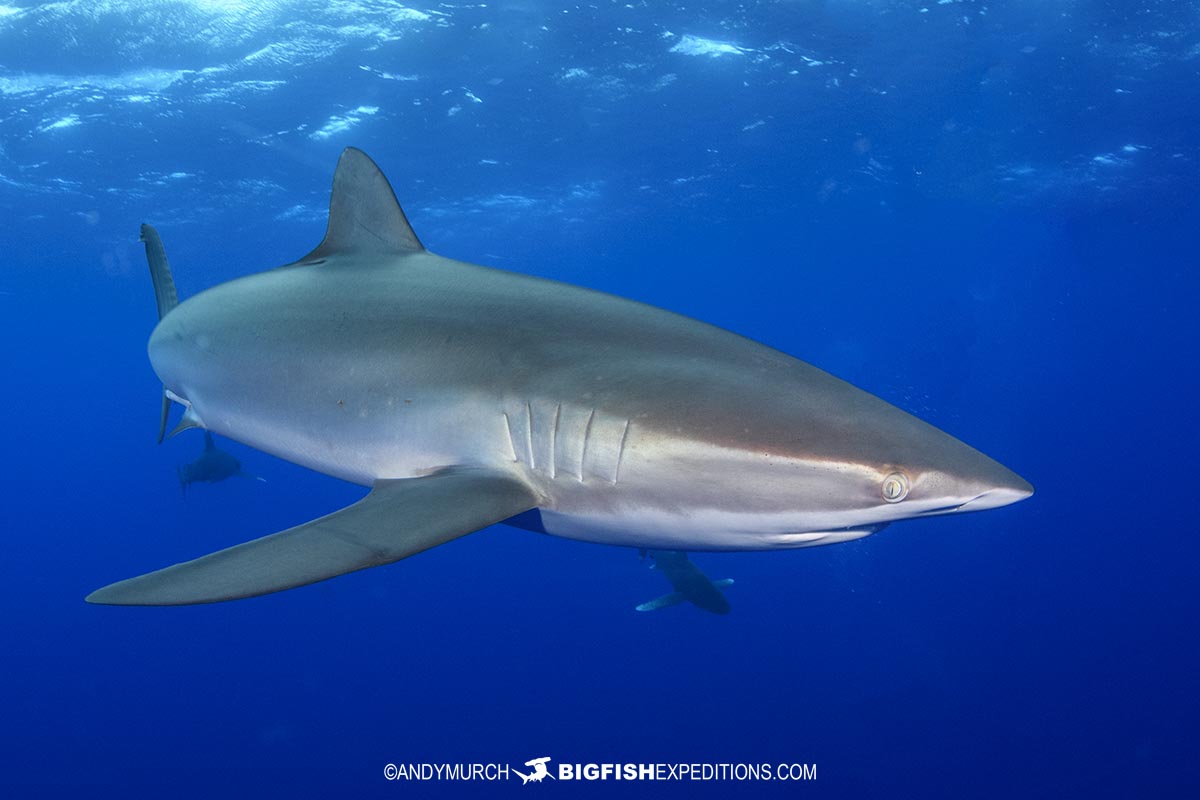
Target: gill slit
[
  {"x": 583, "y": 453},
  {"x": 620, "y": 453},
  {"x": 554, "y": 442},
  {"x": 529, "y": 434},
  {"x": 512, "y": 443}
]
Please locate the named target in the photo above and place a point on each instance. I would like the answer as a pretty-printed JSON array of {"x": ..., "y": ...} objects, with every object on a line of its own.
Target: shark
[
  {"x": 689, "y": 584},
  {"x": 538, "y": 773},
  {"x": 465, "y": 396},
  {"x": 212, "y": 465}
]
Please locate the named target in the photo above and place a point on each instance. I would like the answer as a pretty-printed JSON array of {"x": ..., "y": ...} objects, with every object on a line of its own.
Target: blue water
[{"x": 983, "y": 213}]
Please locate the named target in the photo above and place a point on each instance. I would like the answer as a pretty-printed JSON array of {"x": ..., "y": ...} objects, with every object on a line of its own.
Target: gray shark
[
  {"x": 466, "y": 396},
  {"x": 690, "y": 584},
  {"x": 212, "y": 466}
]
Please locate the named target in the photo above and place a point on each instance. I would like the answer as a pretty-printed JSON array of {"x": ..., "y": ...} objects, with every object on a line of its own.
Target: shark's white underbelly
[{"x": 711, "y": 530}]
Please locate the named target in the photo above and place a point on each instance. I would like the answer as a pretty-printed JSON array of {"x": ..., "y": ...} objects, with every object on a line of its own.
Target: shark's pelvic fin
[
  {"x": 188, "y": 421},
  {"x": 364, "y": 216},
  {"x": 672, "y": 599},
  {"x": 397, "y": 519}
]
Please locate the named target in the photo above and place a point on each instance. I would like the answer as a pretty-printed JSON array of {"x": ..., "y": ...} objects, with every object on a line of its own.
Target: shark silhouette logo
[{"x": 538, "y": 772}]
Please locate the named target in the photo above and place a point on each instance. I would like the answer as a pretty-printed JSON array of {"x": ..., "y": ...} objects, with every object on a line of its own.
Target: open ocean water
[{"x": 984, "y": 213}]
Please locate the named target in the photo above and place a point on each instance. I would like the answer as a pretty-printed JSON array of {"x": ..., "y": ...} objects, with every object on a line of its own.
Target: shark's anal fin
[
  {"x": 364, "y": 215},
  {"x": 672, "y": 599},
  {"x": 399, "y": 518}
]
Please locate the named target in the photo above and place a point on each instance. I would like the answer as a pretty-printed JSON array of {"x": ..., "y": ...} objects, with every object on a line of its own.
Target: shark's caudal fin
[
  {"x": 397, "y": 519},
  {"x": 164, "y": 295},
  {"x": 364, "y": 216},
  {"x": 160, "y": 271}
]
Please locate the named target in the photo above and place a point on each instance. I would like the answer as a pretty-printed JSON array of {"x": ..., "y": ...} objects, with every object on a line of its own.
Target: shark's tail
[
  {"x": 164, "y": 294},
  {"x": 160, "y": 271}
]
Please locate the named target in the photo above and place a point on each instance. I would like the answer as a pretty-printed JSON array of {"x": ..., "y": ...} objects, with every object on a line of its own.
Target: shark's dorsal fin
[{"x": 364, "y": 216}]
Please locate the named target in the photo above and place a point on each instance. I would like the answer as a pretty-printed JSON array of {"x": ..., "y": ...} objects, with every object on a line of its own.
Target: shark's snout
[
  {"x": 951, "y": 477},
  {"x": 997, "y": 485},
  {"x": 977, "y": 483}
]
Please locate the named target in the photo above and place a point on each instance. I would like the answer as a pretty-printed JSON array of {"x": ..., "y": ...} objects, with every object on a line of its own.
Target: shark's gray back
[{"x": 381, "y": 324}]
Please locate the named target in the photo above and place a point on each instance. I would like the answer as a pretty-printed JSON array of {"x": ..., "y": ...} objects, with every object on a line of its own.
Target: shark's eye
[{"x": 895, "y": 487}]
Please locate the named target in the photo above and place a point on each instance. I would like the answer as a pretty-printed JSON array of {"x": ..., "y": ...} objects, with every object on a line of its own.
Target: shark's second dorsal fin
[{"x": 364, "y": 216}]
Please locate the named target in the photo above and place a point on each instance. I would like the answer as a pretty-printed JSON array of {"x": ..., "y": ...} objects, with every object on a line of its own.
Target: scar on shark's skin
[{"x": 623, "y": 424}]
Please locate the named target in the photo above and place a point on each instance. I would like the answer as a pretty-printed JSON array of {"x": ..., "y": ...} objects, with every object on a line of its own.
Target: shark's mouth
[{"x": 943, "y": 509}]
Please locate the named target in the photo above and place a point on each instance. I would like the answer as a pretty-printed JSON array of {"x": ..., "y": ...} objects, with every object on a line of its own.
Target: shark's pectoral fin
[
  {"x": 672, "y": 599},
  {"x": 397, "y": 519}
]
